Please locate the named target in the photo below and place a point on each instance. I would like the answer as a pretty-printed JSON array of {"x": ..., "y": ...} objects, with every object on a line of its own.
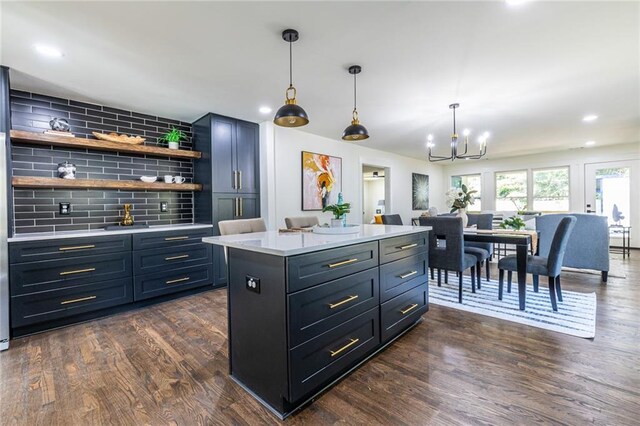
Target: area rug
[{"x": 576, "y": 314}]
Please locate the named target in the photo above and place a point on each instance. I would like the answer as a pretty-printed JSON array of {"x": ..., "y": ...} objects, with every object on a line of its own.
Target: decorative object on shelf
[
  {"x": 513, "y": 222},
  {"x": 339, "y": 210},
  {"x": 148, "y": 179},
  {"x": 114, "y": 137},
  {"x": 174, "y": 179},
  {"x": 59, "y": 124},
  {"x": 355, "y": 131},
  {"x": 459, "y": 199},
  {"x": 290, "y": 114},
  {"x": 127, "y": 220},
  {"x": 617, "y": 215},
  {"x": 482, "y": 140},
  {"x": 321, "y": 180},
  {"x": 66, "y": 170},
  {"x": 419, "y": 191},
  {"x": 173, "y": 137}
]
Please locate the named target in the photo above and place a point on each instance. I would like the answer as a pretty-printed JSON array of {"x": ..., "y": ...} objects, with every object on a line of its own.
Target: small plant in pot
[
  {"x": 173, "y": 137},
  {"x": 513, "y": 222},
  {"x": 338, "y": 210}
]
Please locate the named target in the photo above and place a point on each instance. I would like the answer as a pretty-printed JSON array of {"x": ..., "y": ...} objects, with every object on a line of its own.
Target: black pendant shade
[
  {"x": 290, "y": 114},
  {"x": 356, "y": 131}
]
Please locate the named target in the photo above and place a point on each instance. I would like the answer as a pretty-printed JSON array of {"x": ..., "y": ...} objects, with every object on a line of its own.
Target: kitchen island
[{"x": 306, "y": 309}]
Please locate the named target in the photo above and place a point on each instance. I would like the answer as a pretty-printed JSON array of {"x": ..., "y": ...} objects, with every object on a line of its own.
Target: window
[
  {"x": 472, "y": 182},
  {"x": 551, "y": 190},
  {"x": 511, "y": 190}
]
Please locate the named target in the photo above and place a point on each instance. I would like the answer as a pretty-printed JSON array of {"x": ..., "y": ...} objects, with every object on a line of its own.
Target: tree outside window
[
  {"x": 551, "y": 190},
  {"x": 511, "y": 190},
  {"x": 473, "y": 182}
]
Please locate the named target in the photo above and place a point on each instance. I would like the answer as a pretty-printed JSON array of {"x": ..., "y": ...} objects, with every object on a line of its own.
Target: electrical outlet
[
  {"x": 65, "y": 209},
  {"x": 253, "y": 284},
  {"x": 164, "y": 206}
]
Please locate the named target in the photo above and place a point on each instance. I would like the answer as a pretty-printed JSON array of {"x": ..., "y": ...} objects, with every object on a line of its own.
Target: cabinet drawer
[
  {"x": 398, "y": 247},
  {"x": 402, "y": 275},
  {"x": 56, "y": 274},
  {"x": 67, "y": 247},
  {"x": 324, "y": 358},
  {"x": 164, "y": 259},
  {"x": 399, "y": 313},
  {"x": 322, "y": 307},
  {"x": 310, "y": 269},
  {"x": 49, "y": 305},
  {"x": 160, "y": 283},
  {"x": 153, "y": 240}
]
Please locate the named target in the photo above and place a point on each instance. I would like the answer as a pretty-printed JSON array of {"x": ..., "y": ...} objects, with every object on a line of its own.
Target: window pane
[
  {"x": 511, "y": 190},
  {"x": 551, "y": 190},
  {"x": 472, "y": 182}
]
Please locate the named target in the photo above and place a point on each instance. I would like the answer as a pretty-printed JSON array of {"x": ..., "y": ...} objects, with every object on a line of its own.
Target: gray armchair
[{"x": 588, "y": 246}]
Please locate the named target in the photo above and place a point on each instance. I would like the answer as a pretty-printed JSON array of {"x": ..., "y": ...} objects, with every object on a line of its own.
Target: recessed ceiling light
[
  {"x": 49, "y": 51},
  {"x": 265, "y": 110},
  {"x": 590, "y": 117},
  {"x": 590, "y": 143}
]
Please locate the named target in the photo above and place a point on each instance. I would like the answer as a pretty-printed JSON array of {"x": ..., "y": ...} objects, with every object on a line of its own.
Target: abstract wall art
[
  {"x": 321, "y": 180},
  {"x": 420, "y": 191}
]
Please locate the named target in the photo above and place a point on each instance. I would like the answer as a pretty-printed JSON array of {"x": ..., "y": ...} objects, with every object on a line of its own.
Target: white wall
[
  {"x": 575, "y": 159},
  {"x": 280, "y": 154},
  {"x": 373, "y": 192}
]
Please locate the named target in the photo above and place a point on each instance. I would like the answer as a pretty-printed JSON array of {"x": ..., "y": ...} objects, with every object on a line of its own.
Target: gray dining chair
[
  {"x": 550, "y": 266},
  {"x": 481, "y": 221},
  {"x": 451, "y": 255},
  {"x": 301, "y": 222},
  {"x": 241, "y": 226},
  {"x": 391, "y": 219}
]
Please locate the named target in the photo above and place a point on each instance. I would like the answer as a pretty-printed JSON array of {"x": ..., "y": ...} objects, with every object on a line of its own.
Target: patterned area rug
[{"x": 576, "y": 315}]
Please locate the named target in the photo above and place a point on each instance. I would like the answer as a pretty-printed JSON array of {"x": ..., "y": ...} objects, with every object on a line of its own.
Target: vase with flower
[{"x": 459, "y": 199}]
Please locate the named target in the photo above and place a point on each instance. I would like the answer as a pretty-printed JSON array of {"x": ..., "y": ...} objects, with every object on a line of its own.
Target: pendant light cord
[
  {"x": 454, "y": 121},
  {"x": 290, "y": 64},
  {"x": 355, "y": 98}
]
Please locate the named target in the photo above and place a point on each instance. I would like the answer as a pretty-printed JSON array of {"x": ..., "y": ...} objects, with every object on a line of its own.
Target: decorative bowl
[
  {"x": 148, "y": 179},
  {"x": 114, "y": 137}
]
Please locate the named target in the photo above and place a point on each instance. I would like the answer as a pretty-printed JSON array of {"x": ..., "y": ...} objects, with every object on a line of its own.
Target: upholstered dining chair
[
  {"x": 451, "y": 255},
  {"x": 481, "y": 221},
  {"x": 241, "y": 226},
  {"x": 301, "y": 221},
  {"x": 391, "y": 219},
  {"x": 551, "y": 266}
]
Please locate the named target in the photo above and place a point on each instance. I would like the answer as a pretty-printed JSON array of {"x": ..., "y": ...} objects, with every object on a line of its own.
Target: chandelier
[{"x": 455, "y": 153}]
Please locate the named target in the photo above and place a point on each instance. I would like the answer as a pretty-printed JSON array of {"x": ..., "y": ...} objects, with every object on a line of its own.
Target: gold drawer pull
[
  {"x": 82, "y": 299},
  {"x": 408, "y": 246},
  {"x": 408, "y": 274},
  {"x": 344, "y": 262},
  {"x": 176, "y": 238},
  {"x": 409, "y": 309},
  {"x": 77, "y": 271},
  {"x": 342, "y": 302},
  {"x": 179, "y": 280},
  {"x": 182, "y": 256},
  {"x": 347, "y": 346},
  {"x": 77, "y": 247}
]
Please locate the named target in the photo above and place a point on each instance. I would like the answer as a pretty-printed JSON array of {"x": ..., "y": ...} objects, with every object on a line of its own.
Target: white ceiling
[{"x": 527, "y": 74}]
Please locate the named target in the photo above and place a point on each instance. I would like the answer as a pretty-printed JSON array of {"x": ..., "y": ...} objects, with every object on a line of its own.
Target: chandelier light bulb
[
  {"x": 430, "y": 138},
  {"x": 466, "y": 132}
]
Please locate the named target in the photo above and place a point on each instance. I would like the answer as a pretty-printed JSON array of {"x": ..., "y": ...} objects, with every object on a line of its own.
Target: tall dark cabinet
[{"x": 230, "y": 173}]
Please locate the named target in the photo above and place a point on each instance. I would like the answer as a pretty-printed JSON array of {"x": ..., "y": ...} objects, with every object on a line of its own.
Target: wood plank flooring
[{"x": 167, "y": 364}]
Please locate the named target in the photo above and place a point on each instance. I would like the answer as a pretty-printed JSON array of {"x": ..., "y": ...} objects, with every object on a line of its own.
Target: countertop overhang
[
  {"x": 289, "y": 244},
  {"x": 100, "y": 232}
]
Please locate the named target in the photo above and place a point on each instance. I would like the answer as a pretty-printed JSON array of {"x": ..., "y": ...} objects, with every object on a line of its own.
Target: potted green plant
[
  {"x": 338, "y": 210},
  {"x": 513, "y": 222},
  {"x": 173, "y": 138}
]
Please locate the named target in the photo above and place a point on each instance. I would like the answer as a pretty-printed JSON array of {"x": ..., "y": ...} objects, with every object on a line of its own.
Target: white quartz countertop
[
  {"x": 288, "y": 244},
  {"x": 99, "y": 232}
]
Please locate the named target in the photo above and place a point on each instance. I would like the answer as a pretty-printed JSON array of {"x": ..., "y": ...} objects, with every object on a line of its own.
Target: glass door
[{"x": 608, "y": 190}]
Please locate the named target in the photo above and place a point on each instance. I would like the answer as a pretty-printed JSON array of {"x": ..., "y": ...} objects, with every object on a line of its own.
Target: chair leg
[
  {"x": 488, "y": 269},
  {"x": 473, "y": 279},
  {"x": 535, "y": 283},
  {"x": 446, "y": 276},
  {"x": 439, "y": 277},
  {"x": 552, "y": 293},
  {"x": 558, "y": 289},
  {"x": 500, "y": 283},
  {"x": 460, "y": 288},
  {"x": 478, "y": 273},
  {"x": 509, "y": 276},
  {"x": 431, "y": 272},
  {"x": 605, "y": 275}
]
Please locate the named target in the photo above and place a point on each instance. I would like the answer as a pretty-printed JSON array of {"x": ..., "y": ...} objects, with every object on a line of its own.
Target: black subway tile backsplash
[{"x": 37, "y": 210}]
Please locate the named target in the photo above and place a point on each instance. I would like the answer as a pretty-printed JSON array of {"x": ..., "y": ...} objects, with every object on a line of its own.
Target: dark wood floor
[{"x": 167, "y": 364}]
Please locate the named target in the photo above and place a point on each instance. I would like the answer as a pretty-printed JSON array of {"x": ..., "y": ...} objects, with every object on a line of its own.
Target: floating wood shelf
[
  {"x": 39, "y": 182},
  {"x": 32, "y": 138}
]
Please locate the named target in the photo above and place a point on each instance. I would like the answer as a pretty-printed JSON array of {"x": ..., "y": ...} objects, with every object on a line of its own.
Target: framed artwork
[
  {"x": 321, "y": 180},
  {"x": 420, "y": 191}
]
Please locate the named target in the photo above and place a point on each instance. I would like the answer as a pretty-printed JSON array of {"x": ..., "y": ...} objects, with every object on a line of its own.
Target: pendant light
[
  {"x": 290, "y": 114},
  {"x": 356, "y": 131}
]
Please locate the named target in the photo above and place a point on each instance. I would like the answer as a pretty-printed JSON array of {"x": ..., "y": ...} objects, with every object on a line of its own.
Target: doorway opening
[{"x": 374, "y": 192}]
